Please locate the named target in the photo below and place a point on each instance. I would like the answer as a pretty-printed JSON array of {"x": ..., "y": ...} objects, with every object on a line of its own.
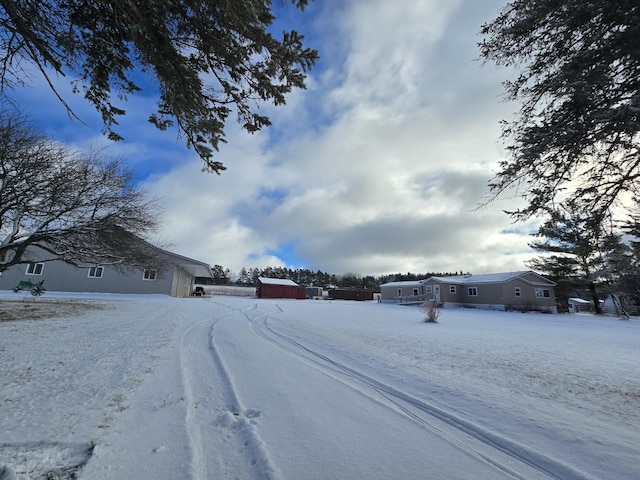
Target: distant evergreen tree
[
  {"x": 208, "y": 61},
  {"x": 573, "y": 244},
  {"x": 577, "y": 135},
  {"x": 254, "y": 273},
  {"x": 220, "y": 275},
  {"x": 243, "y": 277}
]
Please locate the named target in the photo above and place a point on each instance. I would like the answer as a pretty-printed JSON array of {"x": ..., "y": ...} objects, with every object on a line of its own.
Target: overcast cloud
[{"x": 378, "y": 167}]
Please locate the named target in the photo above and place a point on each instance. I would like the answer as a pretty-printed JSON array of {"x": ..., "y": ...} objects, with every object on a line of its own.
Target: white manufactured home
[{"x": 524, "y": 290}]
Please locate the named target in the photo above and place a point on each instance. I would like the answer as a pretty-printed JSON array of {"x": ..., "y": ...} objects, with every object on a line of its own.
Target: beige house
[
  {"x": 402, "y": 292},
  {"x": 502, "y": 291}
]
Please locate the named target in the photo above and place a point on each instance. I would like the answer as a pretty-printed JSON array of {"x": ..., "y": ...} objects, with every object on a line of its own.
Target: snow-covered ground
[{"x": 152, "y": 387}]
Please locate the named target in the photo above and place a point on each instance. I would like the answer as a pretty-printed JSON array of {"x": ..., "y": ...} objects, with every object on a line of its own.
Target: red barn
[{"x": 279, "y": 288}]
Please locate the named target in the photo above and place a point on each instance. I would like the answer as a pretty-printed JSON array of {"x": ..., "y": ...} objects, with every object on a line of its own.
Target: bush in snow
[{"x": 431, "y": 311}]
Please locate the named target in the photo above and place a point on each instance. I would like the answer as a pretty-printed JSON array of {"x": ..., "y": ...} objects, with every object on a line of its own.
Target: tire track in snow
[
  {"x": 223, "y": 438},
  {"x": 505, "y": 454}
]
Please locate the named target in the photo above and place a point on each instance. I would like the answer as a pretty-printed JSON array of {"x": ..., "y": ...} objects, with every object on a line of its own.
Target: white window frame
[
  {"x": 543, "y": 293},
  {"x": 149, "y": 274},
  {"x": 452, "y": 289},
  {"x": 415, "y": 292},
  {"x": 399, "y": 292},
  {"x": 35, "y": 268},
  {"x": 95, "y": 272},
  {"x": 473, "y": 291},
  {"x": 518, "y": 291},
  {"x": 428, "y": 288}
]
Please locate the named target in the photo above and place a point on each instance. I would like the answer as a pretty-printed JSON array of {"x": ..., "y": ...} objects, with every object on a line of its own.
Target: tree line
[{"x": 306, "y": 277}]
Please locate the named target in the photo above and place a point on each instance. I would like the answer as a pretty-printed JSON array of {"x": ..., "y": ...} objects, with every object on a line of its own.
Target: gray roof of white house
[
  {"x": 277, "y": 281},
  {"x": 407, "y": 283},
  {"x": 490, "y": 278}
]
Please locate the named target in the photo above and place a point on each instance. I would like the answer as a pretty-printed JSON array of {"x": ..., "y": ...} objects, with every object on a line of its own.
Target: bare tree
[
  {"x": 430, "y": 310},
  {"x": 80, "y": 208}
]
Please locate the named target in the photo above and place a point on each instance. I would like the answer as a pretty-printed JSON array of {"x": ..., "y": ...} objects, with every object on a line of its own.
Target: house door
[{"x": 436, "y": 293}]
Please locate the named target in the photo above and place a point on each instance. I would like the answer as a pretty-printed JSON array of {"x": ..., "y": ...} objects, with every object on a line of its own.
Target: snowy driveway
[{"x": 242, "y": 388}]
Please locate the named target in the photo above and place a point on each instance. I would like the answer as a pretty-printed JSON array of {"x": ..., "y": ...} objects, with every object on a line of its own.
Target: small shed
[
  {"x": 579, "y": 305},
  {"x": 279, "y": 288},
  {"x": 315, "y": 292}
]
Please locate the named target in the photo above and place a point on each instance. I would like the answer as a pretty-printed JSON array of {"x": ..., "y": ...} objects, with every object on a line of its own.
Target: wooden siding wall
[
  {"x": 359, "y": 295},
  {"x": 267, "y": 290}
]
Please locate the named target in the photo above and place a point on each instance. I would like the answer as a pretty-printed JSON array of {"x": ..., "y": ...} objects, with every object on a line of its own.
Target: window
[
  {"x": 415, "y": 292},
  {"x": 95, "y": 272},
  {"x": 429, "y": 288},
  {"x": 399, "y": 292},
  {"x": 518, "y": 292},
  {"x": 149, "y": 274},
  {"x": 542, "y": 293},
  {"x": 452, "y": 289},
  {"x": 473, "y": 291},
  {"x": 35, "y": 268}
]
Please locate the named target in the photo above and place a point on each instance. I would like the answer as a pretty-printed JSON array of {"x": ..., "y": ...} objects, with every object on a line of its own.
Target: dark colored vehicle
[{"x": 198, "y": 292}]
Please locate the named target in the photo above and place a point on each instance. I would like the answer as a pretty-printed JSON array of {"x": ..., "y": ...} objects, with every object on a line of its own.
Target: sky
[{"x": 380, "y": 166}]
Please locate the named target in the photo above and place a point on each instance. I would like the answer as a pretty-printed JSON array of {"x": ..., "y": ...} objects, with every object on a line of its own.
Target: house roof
[
  {"x": 191, "y": 266},
  {"x": 493, "y": 278},
  {"x": 197, "y": 269},
  {"x": 277, "y": 281},
  {"x": 579, "y": 300},
  {"x": 407, "y": 283}
]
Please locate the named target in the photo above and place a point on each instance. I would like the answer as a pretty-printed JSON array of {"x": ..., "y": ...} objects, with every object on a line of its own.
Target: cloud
[{"x": 379, "y": 166}]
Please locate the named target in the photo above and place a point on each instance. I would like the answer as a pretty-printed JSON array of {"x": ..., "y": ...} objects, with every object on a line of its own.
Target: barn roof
[{"x": 277, "y": 281}]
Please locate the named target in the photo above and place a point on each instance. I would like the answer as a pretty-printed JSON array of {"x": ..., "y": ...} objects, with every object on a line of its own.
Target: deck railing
[{"x": 411, "y": 299}]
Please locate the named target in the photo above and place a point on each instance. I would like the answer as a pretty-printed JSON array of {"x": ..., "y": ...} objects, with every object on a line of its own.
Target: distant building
[
  {"x": 402, "y": 292},
  {"x": 524, "y": 290},
  {"x": 279, "y": 288},
  {"x": 170, "y": 274},
  {"x": 351, "y": 294},
  {"x": 314, "y": 292},
  {"x": 578, "y": 305}
]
